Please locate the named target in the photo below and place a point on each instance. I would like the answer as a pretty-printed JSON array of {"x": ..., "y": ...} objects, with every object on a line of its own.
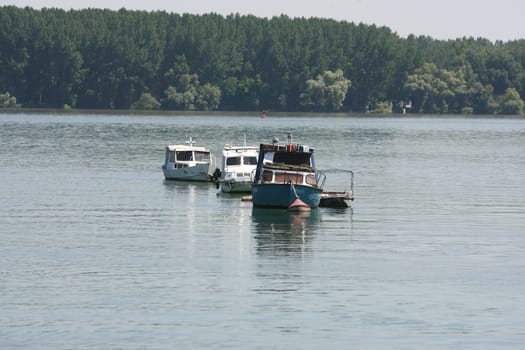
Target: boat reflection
[
  {"x": 278, "y": 231},
  {"x": 186, "y": 187}
]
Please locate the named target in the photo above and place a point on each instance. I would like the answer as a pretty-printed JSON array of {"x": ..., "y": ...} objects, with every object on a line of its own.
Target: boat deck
[{"x": 336, "y": 199}]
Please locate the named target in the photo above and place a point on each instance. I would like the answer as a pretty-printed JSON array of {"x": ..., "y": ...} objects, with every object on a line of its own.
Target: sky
[{"x": 441, "y": 19}]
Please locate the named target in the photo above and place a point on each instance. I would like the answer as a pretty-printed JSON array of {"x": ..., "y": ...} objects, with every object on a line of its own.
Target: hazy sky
[{"x": 441, "y": 19}]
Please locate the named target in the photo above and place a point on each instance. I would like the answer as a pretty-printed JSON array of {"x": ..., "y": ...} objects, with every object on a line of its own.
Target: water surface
[{"x": 99, "y": 252}]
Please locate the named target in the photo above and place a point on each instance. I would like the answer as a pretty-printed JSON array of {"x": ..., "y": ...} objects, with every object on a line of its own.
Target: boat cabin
[
  {"x": 285, "y": 163},
  {"x": 239, "y": 160},
  {"x": 175, "y": 155}
]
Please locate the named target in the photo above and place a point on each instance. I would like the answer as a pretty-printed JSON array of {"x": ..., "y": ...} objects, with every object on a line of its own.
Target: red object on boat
[{"x": 299, "y": 205}]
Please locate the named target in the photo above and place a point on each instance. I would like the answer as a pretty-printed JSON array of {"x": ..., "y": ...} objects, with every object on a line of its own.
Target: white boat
[
  {"x": 188, "y": 162},
  {"x": 238, "y": 167}
]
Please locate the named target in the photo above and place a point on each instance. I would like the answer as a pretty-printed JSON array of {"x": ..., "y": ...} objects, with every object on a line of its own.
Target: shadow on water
[{"x": 278, "y": 231}]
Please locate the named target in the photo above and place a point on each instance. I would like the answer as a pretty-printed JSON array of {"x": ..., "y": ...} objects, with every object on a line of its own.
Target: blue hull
[{"x": 273, "y": 195}]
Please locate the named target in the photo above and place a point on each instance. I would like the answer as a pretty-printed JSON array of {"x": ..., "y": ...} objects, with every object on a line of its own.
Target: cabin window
[
  {"x": 293, "y": 158},
  {"x": 184, "y": 155},
  {"x": 233, "y": 161},
  {"x": 280, "y": 177},
  {"x": 310, "y": 179},
  {"x": 202, "y": 156},
  {"x": 250, "y": 160},
  {"x": 268, "y": 157},
  {"x": 267, "y": 176},
  {"x": 287, "y": 177}
]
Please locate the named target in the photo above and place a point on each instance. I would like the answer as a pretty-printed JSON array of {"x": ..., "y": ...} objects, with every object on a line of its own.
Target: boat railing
[
  {"x": 320, "y": 178},
  {"x": 351, "y": 182},
  {"x": 213, "y": 164}
]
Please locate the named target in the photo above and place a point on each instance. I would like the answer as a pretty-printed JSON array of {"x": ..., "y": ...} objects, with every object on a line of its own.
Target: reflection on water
[
  {"x": 281, "y": 231},
  {"x": 192, "y": 191}
]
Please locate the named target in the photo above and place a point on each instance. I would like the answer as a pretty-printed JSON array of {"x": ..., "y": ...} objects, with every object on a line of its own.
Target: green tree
[
  {"x": 8, "y": 101},
  {"x": 510, "y": 102},
  {"x": 188, "y": 94},
  {"x": 435, "y": 90},
  {"x": 146, "y": 102},
  {"x": 183, "y": 95},
  {"x": 208, "y": 98},
  {"x": 98, "y": 58},
  {"x": 325, "y": 93}
]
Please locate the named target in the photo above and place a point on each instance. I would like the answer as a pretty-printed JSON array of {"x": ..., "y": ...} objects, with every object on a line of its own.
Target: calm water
[{"x": 97, "y": 251}]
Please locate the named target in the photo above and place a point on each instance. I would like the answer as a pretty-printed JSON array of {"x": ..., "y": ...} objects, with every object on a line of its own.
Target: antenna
[{"x": 190, "y": 142}]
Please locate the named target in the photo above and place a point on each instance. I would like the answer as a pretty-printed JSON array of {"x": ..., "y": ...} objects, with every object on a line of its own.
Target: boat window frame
[
  {"x": 182, "y": 156},
  {"x": 285, "y": 177},
  {"x": 201, "y": 156},
  {"x": 238, "y": 160},
  {"x": 267, "y": 176},
  {"x": 252, "y": 162},
  {"x": 171, "y": 156}
]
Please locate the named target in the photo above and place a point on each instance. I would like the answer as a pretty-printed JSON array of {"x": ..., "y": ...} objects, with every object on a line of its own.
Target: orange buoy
[{"x": 299, "y": 205}]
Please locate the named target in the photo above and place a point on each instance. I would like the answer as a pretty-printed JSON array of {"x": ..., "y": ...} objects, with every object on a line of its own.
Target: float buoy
[{"x": 299, "y": 205}]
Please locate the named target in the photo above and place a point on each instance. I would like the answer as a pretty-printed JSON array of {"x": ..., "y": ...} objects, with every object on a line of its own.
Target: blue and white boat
[{"x": 284, "y": 173}]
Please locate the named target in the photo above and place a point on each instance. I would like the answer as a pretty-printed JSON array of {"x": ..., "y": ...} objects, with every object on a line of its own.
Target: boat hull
[
  {"x": 199, "y": 172},
  {"x": 236, "y": 186},
  {"x": 272, "y": 195}
]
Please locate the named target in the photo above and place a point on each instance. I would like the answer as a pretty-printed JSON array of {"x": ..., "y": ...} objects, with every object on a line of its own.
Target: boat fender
[
  {"x": 216, "y": 176},
  {"x": 292, "y": 147},
  {"x": 299, "y": 205}
]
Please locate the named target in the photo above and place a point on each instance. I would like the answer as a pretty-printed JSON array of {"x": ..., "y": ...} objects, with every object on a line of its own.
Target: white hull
[
  {"x": 198, "y": 172},
  {"x": 236, "y": 186}
]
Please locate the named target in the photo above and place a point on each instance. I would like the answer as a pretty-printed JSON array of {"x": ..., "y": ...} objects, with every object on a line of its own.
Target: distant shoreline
[{"x": 173, "y": 113}]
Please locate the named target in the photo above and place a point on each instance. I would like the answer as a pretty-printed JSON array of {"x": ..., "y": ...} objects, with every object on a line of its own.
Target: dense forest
[{"x": 104, "y": 59}]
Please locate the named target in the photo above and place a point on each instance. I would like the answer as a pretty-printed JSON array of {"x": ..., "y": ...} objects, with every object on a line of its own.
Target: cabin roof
[
  {"x": 186, "y": 148},
  {"x": 288, "y": 167},
  {"x": 240, "y": 151},
  {"x": 282, "y": 148},
  {"x": 240, "y": 148}
]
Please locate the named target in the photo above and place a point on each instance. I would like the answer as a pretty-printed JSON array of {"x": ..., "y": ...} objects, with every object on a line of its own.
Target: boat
[
  {"x": 284, "y": 173},
  {"x": 339, "y": 199},
  {"x": 336, "y": 199},
  {"x": 238, "y": 166},
  {"x": 188, "y": 162}
]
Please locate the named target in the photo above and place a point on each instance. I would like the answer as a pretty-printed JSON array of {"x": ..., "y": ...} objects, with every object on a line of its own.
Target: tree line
[{"x": 105, "y": 59}]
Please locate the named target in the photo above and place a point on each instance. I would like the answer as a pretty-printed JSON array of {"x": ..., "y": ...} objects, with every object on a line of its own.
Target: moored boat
[
  {"x": 188, "y": 162},
  {"x": 339, "y": 199},
  {"x": 238, "y": 166},
  {"x": 284, "y": 173}
]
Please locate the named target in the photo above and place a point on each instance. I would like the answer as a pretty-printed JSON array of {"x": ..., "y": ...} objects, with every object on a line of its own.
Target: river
[{"x": 98, "y": 251}]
